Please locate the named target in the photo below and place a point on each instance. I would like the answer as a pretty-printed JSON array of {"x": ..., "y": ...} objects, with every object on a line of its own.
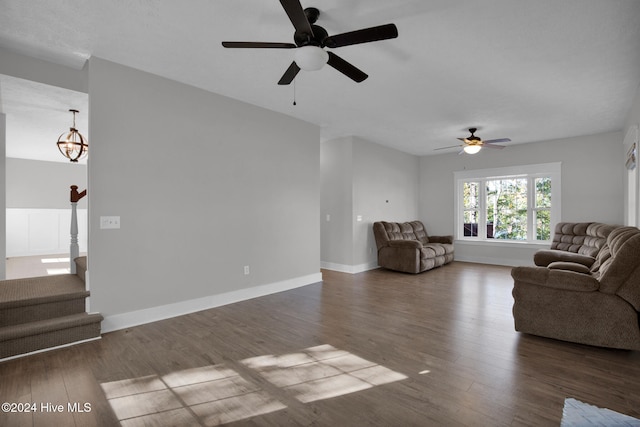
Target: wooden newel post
[{"x": 74, "y": 248}]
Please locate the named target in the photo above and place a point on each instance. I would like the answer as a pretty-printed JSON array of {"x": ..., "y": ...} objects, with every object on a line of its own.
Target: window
[{"x": 508, "y": 204}]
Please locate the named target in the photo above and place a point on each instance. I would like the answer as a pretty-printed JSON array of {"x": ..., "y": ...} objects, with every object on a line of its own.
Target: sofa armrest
[
  {"x": 412, "y": 244},
  {"x": 544, "y": 257},
  {"x": 556, "y": 279},
  {"x": 570, "y": 266},
  {"x": 440, "y": 239}
]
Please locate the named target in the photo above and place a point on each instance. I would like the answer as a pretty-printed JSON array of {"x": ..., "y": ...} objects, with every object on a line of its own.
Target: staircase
[{"x": 45, "y": 312}]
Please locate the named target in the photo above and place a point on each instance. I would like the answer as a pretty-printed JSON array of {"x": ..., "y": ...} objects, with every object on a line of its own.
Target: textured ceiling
[
  {"x": 527, "y": 70},
  {"x": 37, "y": 115}
]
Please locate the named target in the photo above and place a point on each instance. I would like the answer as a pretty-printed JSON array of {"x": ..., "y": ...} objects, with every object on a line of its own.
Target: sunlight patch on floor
[
  {"x": 218, "y": 394},
  {"x": 321, "y": 372},
  {"x": 56, "y": 271},
  {"x": 215, "y": 393},
  {"x": 54, "y": 260}
]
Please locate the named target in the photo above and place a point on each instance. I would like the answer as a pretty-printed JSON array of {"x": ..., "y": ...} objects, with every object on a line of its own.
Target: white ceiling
[
  {"x": 37, "y": 115},
  {"x": 527, "y": 70}
]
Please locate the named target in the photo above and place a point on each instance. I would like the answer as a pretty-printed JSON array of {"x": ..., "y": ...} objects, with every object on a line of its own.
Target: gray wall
[
  {"x": 203, "y": 184},
  {"x": 592, "y": 190},
  {"x": 336, "y": 200},
  {"x": 37, "y": 70},
  {"x": 634, "y": 113},
  {"x": 3, "y": 187},
  {"x": 38, "y": 184},
  {"x": 632, "y": 124},
  {"x": 362, "y": 180},
  {"x": 385, "y": 188}
]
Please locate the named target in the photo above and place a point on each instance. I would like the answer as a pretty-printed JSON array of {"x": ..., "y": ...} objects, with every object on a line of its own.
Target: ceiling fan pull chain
[{"x": 294, "y": 92}]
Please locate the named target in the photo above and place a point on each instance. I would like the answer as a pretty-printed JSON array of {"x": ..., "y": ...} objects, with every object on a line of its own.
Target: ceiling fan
[
  {"x": 473, "y": 144},
  {"x": 310, "y": 41}
]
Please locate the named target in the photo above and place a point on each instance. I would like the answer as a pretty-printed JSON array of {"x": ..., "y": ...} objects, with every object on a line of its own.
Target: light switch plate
[{"x": 109, "y": 222}]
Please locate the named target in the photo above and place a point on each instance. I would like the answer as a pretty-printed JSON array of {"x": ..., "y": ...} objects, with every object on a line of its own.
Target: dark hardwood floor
[{"x": 377, "y": 348}]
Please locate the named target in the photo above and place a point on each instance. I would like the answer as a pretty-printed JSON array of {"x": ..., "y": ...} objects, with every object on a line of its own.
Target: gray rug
[{"x": 576, "y": 413}]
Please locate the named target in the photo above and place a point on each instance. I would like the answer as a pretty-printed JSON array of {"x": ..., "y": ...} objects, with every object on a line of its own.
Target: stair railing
[{"x": 74, "y": 248}]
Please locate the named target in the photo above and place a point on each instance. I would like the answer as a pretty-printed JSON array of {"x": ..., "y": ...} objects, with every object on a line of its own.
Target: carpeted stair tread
[
  {"x": 39, "y": 290},
  {"x": 81, "y": 267},
  {"x": 49, "y": 325},
  {"x": 40, "y": 313},
  {"x": 26, "y": 338},
  {"x": 81, "y": 262}
]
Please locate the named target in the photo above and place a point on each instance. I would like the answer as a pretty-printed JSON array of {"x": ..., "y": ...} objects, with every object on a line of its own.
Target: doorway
[{"x": 38, "y": 177}]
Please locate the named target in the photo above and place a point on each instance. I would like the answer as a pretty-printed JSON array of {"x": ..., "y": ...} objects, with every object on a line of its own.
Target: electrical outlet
[
  {"x": 246, "y": 269},
  {"x": 109, "y": 222}
]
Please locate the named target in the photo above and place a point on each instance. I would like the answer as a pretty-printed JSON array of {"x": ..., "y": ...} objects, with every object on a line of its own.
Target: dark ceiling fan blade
[
  {"x": 296, "y": 15},
  {"x": 259, "y": 45},
  {"x": 290, "y": 74},
  {"x": 492, "y": 146},
  {"x": 366, "y": 35},
  {"x": 493, "y": 141},
  {"x": 346, "y": 68}
]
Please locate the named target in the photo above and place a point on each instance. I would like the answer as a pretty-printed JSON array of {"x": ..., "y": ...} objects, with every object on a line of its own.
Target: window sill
[{"x": 504, "y": 243}]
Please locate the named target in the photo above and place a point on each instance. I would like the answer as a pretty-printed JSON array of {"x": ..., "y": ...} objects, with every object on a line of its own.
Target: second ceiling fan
[
  {"x": 310, "y": 41},
  {"x": 472, "y": 144}
]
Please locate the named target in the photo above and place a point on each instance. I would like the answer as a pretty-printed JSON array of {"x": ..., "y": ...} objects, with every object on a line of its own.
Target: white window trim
[{"x": 552, "y": 170}]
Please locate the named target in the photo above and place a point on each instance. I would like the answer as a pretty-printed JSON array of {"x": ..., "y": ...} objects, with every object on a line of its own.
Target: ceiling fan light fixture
[
  {"x": 72, "y": 144},
  {"x": 472, "y": 149},
  {"x": 311, "y": 58}
]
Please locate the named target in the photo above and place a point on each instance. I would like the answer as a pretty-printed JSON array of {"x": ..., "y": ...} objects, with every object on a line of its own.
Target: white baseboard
[
  {"x": 344, "y": 268},
  {"x": 495, "y": 261},
  {"x": 153, "y": 314}
]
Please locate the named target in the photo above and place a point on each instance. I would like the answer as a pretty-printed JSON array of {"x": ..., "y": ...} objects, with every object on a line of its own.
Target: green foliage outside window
[
  {"x": 543, "y": 208},
  {"x": 543, "y": 192},
  {"x": 508, "y": 207},
  {"x": 543, "y": 225}
]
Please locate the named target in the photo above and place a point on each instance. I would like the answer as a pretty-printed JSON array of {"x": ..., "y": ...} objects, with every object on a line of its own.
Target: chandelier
[{"x": 73, "y": 145}]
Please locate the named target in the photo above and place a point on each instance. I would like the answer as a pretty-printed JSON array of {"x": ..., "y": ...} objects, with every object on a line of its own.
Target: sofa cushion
[
  {"x": 569, "y": 237},
  {"x": 544, "y": 257},
  {"x": 584, "y": 238},
  {"x": 433, "y": 250},
  {"x": 571, "y": 266},
  {"x": 397, "y": 231},
  {"x": 447, "y": 247},
  {"x": 577, "y": 242},
  {"x": 419, "y": 231},
  {"x": 618, "y": 259},
  {"x": 413, "y": 244}
]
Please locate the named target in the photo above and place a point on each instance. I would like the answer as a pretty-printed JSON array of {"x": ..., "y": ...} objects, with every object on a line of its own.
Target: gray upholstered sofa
[
  {"x": 582, "y": 295},
  {"x": 408, "y": 248},
  {"x": 574, "y": 242}
]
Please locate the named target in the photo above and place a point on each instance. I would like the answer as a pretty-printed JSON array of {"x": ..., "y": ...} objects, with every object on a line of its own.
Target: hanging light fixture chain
[{"x": 74, "y": 117}]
